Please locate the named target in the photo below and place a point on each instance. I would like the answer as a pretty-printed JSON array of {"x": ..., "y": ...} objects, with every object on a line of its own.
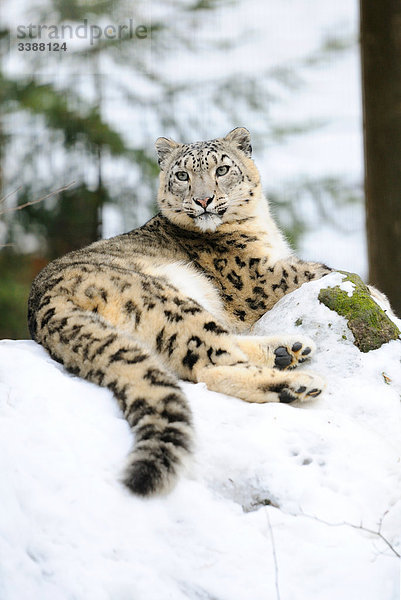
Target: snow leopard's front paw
[
  {"x": 281, "y": 352},
  {"x": 289, "y": 352},
  {"x": 301, "y": 386}
]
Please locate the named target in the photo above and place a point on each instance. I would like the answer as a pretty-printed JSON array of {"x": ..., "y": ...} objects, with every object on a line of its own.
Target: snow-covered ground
[{"x": 280, "y": 503}]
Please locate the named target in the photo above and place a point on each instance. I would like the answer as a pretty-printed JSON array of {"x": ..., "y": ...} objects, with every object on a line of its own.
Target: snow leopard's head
[{"x": 206, "y": 184}]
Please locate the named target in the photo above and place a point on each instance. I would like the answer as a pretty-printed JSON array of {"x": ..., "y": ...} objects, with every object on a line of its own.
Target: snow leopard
[{"x": 176, "y": 299}]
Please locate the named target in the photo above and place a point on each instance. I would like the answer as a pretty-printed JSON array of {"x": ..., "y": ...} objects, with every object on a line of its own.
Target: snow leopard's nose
[{"x": 204, "y": 202}]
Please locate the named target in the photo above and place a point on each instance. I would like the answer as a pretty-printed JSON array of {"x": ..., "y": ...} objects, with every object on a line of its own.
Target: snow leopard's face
[{"x": 206, "y": 184}]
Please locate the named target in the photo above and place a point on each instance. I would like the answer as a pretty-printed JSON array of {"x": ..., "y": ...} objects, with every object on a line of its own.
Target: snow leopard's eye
[
  {"x": 182, "y": 175},
  {"x": 223, "y": 170}
]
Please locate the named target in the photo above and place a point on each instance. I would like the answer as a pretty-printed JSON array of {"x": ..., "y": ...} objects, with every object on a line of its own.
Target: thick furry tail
[
  {"x": 148, "y": 394},
  {"x": 163, "y": 441}
]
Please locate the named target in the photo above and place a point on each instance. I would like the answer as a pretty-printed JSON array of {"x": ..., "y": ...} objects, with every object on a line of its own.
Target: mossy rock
[{"x": 368, "y": 322}]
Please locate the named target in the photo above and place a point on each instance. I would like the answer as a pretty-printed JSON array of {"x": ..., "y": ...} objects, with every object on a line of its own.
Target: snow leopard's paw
[
  {"x": 301, "y": 386},
  {"x": 293, "y": 351},
  {"x": 281, "y": 351}
]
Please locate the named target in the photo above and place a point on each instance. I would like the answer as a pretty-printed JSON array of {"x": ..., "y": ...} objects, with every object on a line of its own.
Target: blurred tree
[
  {"x": 381, "y": 75},
  {"x": 306, "y": 203},
  {"x": 56, "y": 126},
  {"x": 49, "y": 109}
]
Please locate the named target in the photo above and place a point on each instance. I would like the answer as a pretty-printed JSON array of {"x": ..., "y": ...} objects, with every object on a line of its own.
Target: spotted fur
[{"x": 173, "y": 299}]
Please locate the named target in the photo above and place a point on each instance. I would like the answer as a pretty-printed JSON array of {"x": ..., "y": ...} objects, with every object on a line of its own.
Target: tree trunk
[
  {"x": 75, "y": 221},
  {"x": 381, "y": 83}
]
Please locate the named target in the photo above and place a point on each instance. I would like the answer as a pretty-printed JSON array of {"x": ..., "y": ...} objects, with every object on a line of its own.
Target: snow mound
[{"x": 297, "y": 503}]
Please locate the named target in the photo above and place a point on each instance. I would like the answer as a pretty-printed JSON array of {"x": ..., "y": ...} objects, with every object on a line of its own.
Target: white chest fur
[{"x": 193, "y": 284}]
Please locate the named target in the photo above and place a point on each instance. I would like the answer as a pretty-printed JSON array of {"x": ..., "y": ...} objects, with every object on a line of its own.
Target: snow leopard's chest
[{"x": 230, "y": 276}]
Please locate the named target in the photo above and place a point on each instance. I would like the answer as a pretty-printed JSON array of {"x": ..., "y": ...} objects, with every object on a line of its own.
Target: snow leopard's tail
[{"x": 148, "y": 394}]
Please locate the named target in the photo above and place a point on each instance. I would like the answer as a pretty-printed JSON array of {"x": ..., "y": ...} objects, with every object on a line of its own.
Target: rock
[{"x": 368, "y": 322}]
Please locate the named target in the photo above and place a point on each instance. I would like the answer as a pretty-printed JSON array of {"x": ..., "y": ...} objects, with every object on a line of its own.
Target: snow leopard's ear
[
  {"x": 241, "y": 139},
  {"x": 164, "y": 148}
]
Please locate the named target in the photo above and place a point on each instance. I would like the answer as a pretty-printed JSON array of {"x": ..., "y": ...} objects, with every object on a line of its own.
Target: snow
[
  {"x": 347, "y": 286},
  {"x": 279, "y": 501}
]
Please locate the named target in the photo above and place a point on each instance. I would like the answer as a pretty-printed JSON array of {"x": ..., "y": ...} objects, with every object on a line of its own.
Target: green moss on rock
[{"x": 368, "y": 322}]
